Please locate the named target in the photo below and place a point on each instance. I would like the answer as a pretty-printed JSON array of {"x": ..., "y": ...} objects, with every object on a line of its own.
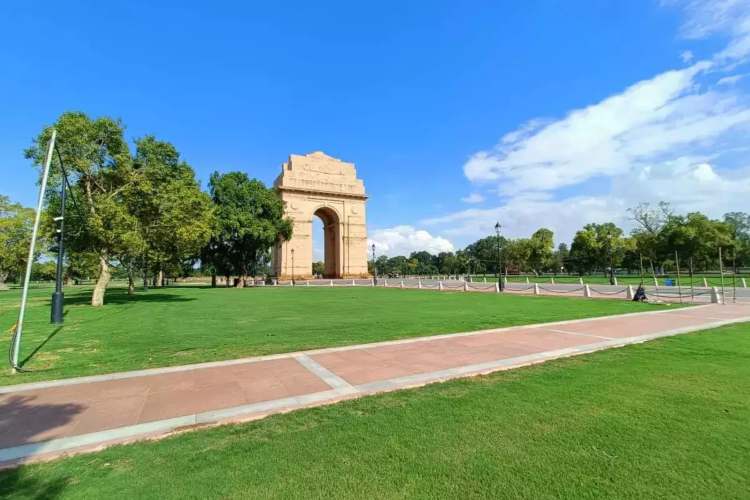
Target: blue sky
[{"x": 456, "y": 114}]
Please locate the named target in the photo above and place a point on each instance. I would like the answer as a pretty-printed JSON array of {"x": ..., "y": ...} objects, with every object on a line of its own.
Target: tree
[
  {"x": 426, "y": 263},
  {"x": 516, "y": 254},
  {"x": 695, "y": 237},
  {"x": 541, "y": 249},
  {"x": 175, "y": 216},
  {"x": 318, "y": 268},
  {"x": 649, "y": 222},
  {"x": 561, "y": 256},
  {"x": 739, "y": 225},
  {"x": 98, "y": 161},
  {"x": 485, "y": 252},
  {"x": 250, "y": 220},
  {"x": 16, "y": 224},
  {"x": 596, "y": 246}
]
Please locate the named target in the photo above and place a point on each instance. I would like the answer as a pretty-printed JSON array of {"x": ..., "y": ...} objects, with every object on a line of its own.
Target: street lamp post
[
  {"x": 292, "y": 266},
  {"x": 58, "y": 298},
  {"x": 499, "y": 267},
  {"x": 374, "y": 267},
  {"x": 611, "y": 261}
]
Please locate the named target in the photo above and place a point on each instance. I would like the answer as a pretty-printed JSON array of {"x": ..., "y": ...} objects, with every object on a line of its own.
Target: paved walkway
[{"x": 46, "y": 419}]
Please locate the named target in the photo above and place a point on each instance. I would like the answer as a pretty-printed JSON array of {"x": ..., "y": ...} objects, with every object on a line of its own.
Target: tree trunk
[
  {"x": 160, "y": 278},
  {"x": 131, "y": 282},
  {"x": 241, "y": 282},
  {"x": 97, "y": 298},
  {"x": 226, "y": 281},
  {"x": 213, "y": 280}
]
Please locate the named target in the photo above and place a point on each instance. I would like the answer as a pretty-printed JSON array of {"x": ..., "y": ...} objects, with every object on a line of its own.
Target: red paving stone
[{"x": 53, "y": 415}]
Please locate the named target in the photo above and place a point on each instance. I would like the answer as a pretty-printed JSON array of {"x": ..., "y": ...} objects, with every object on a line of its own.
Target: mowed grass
[
  {"x": 665, "y": 419},
  {"x": 181, "y": 325}
]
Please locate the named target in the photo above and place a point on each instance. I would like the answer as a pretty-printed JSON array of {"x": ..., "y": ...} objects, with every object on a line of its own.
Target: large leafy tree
[
  {"x": 175, "y": 217},
  {"x": 597, "y": 246},
  {"x": 484, "y": 252},
  {"x": 16, "y": 224},
  {"x": 250, "y": 220},
  {"x": 98, "y": 161},
  {"x": 696, "y": 238},
  {"x": 739, "y": 225},
  {"x": 541, "y": 252}
]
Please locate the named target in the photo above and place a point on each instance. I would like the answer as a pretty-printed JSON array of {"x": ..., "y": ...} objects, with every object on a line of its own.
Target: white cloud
[
  {"x": 403, "y": 240},
  {"x": 473, "y": 198},
  {"x": 675, "y": 137},
  {"x": 730, "y": 80},
  {"x": 729, "y": 18},
  {"x": 686, "y": 56},
  {"x": 649, "y": 119}
]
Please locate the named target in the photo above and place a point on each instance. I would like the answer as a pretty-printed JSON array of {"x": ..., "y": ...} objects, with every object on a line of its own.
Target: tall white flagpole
[{"x": 30, "y": 260}]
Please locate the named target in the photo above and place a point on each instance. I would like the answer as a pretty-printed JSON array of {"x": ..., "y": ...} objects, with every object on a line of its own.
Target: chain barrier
[
  {"x": 600, "y": 292},
  {"x": 518, "y": 289},
  {"x": 561, "y": 291}
]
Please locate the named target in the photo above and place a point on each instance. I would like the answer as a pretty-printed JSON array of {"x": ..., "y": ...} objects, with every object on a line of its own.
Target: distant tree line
[{"x": 659, "y": 240}]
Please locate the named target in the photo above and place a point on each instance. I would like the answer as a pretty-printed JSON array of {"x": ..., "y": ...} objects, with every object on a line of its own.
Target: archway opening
[{"x": 331, "y": 243}]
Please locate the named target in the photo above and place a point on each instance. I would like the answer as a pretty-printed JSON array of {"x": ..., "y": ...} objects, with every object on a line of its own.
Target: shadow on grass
[
  {"x": 39, "y": 347},
  {"x": 17, "y": 483},
  {"x": 119, "y": 297}
]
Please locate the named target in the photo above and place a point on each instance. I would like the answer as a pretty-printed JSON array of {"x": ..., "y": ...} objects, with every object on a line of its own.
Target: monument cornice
[{"x": 337, "y": 194}]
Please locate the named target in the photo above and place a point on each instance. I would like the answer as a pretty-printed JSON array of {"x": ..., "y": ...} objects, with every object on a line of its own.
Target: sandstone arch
[{"x": 319, "y": 185}]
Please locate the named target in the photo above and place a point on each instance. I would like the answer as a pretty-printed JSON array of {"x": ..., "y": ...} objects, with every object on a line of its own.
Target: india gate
[{"x": 313, "y": 185}]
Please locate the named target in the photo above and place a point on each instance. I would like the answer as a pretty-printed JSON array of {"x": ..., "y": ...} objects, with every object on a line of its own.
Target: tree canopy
[{"x": 249, "y": 221}]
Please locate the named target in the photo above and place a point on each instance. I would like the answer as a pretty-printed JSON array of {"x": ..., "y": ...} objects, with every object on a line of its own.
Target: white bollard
[
  {"x": 466, "y": 286},
  {"x": 419, "y": 283},
  {"x": 715, "y": 296},
  {"x": 353, "y": 283},
  {"x": 440, "y": 285},
  {"x": 372, "y": 283},
  {"x": 385, "y": 283},
  {"x": 497, "y": 287},
  {"x": 615, "y": 280},
  {"x": 744, "y": 283},
  {"x": 629, "y": 295},
  {"x": 331, "y": 283},
  {"x": 275, "y": 282},
  {"x": 307, "y": 283},
  {"x": 536, "y": 288},
  {"x": 705, "y": 282},
  {"x": 402, "y": 283},
  {"x": 587, "y": 291},
  {"x": 580, "y": 281}
]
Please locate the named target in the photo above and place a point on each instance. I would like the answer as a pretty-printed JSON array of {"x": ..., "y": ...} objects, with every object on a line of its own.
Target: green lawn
[
  {"x": 665, "y": 419},
  {"x": 182, "y": 325}
]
